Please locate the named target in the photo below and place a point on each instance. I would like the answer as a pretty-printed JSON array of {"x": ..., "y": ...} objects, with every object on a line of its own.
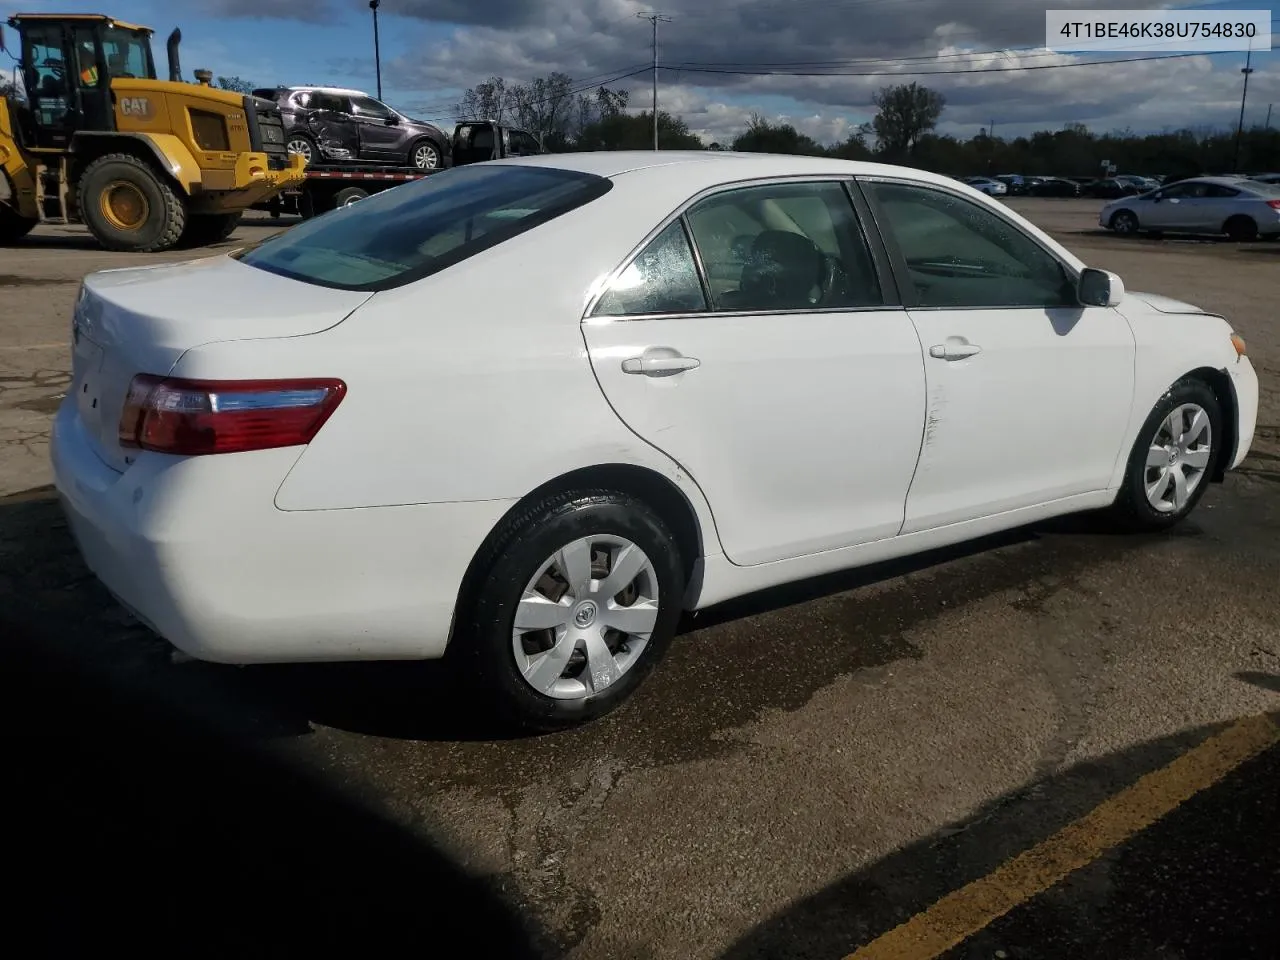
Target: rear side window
[{"x": 412, "y": 231}]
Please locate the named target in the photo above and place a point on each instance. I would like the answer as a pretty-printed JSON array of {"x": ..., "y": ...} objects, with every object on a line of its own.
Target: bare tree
[
  {"x": 491, "y": 100},
  {"x": 905, "y": 113}
]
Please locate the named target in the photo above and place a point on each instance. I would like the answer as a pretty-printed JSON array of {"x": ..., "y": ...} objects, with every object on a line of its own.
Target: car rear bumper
[{"x": 207, "y": 561}]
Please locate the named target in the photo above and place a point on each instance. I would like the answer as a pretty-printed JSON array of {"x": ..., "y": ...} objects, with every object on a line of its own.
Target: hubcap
[
  {"x": 300, "y": 147},
  {"x": 425, "y": 157},
  {"x": 585, "y": 617},
  {"x": 1178, "y": 458},
  {"x": 124, "y": 205}
]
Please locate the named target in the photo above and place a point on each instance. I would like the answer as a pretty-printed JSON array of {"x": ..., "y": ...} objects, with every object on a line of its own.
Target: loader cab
[{"x": 67, "y": 65}]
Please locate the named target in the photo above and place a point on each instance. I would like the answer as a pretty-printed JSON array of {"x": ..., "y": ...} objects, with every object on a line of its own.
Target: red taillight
[
  {"x": 194, "y": 417},
  {"x": 1274, "y": 204}
]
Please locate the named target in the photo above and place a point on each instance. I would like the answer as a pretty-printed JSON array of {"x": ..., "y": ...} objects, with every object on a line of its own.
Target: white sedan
[{"x": 531, "y": 410}]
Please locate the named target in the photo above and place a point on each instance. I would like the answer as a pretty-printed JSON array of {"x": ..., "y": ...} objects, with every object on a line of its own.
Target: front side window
[
  {"x": 959, "y": 254},
  {"x": 401, "y": 235},
  {"x": 371, "y": 109},
  {"x": 661, "y": 279},
  {"x": 786, "y": 246}
]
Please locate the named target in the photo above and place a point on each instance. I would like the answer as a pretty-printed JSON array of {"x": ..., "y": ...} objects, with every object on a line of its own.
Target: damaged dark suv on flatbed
[{"x": 336, "y": 125}]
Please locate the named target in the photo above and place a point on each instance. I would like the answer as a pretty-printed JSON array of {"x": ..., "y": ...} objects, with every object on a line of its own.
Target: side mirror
[
  {"x": 392, "y": 121},
  {"x": 1099, "y": 288}
]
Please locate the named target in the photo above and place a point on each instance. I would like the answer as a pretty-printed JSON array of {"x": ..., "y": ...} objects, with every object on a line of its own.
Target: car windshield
[{"x": 420, "y": 228}]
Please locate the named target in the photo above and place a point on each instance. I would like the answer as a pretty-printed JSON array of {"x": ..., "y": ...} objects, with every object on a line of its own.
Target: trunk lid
[{"x": 142, "y": 319}]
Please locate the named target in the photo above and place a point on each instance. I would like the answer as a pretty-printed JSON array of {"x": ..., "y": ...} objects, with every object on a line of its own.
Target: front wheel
[
  {"x": 1124, "y": 222},
  {"x": 580, "y": 596},
  {"x": 14, "y": 226},
  {"x": 1173, "y": 459},
  {"x": 424, "y": 155}
]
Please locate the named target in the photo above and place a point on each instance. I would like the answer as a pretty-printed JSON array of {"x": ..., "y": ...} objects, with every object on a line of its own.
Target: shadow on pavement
[
  {"x": 717, "y": 675},
  {"x": 127, "y": 822},
  {"x": 1203, "y": 882}
]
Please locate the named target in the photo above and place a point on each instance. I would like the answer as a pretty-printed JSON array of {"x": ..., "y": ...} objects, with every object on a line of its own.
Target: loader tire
[
  {"x": 14, "y": 226},
  {"x": 129, "y": 206}
]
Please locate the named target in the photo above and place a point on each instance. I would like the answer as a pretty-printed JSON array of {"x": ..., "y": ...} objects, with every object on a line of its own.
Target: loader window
[
  {"x": 45, "y": 76},
  {"x": 421, "y": 228},
  {"x": 128, "y": 54}
]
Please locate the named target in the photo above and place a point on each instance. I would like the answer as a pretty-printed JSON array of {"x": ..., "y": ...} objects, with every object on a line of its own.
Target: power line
[{"x": 655, "y": 19}]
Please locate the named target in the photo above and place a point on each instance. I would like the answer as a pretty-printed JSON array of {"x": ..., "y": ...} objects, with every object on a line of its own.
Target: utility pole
[
  {"x": 655, "y": 19},
  {"x": 1267, "y": 125},
  {"x": 1246, "y": 70},
  {"x": 377, "y": 56}
]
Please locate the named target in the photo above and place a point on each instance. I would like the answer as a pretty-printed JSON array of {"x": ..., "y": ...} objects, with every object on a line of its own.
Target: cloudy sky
[{"x": 726, "y": 58}]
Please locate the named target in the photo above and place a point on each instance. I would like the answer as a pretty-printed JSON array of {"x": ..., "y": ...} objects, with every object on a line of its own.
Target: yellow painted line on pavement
[{"x": 961, "y": 914}]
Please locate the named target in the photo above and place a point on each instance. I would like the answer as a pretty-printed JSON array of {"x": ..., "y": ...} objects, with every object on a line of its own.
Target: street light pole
[
  {"x": 1246, "y": 70},
  {"x": 377, "y": 55}
]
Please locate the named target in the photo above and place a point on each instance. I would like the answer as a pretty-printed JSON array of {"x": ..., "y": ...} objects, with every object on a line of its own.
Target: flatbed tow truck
[{"x": 328, "y": 186}]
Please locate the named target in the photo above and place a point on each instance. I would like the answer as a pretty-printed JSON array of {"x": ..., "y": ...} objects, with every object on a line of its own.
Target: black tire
[
  {"x": 302, "y": 140},
  {"x": 204, "y": 229},
  {"x": 1131, "y": 509},
  {"x": 13, "y": 226},
  {"x": 1124, "y": 222},
  {"x": 435, "y": 150},
  {"x": 1241, "y": 229},
  {"x": 349, "y": 195},
  {"x": 165, "y": 217},
  {"x": 483, "y": 637}
]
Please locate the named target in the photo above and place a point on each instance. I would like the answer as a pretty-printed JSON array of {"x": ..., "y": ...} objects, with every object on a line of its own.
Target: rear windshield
[
  {"x": 1263, "y": 188},
  {"x": 412, "y": 231}
]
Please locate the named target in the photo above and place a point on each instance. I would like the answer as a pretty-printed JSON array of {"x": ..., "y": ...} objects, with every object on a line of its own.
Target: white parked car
[
  {"x": 531, "y": 410},
  {"x": 1242, "y": 209},
  {"x": 992, "y": 188}
]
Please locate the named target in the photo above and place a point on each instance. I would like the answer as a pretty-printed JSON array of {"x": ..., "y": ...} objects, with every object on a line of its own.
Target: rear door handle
[
  {"x": 659, "y": 362},
  {"x": 956, "y": 348}
]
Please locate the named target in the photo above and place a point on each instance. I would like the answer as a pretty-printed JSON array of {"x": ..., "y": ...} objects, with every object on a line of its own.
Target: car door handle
[
  {"x": 651, "y": 365},
  {"x": 956, "y": 348}
]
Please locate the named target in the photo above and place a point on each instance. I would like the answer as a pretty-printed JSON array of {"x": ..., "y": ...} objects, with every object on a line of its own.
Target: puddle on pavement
[
  {"x": 13, "y": 280},
  {"x": 42, "y": 404}
]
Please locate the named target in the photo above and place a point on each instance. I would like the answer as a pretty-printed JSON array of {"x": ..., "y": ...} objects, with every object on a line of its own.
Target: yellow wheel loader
[{"x": 146, "y": 164}]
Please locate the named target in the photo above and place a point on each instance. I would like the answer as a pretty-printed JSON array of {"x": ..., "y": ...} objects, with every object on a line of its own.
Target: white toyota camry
[{"x": 531, "y": 410}]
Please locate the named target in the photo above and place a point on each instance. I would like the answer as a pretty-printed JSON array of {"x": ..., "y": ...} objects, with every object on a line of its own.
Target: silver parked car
[
  {"x": 992, "y": 188},
  {"x": 1242, "y": 209}
]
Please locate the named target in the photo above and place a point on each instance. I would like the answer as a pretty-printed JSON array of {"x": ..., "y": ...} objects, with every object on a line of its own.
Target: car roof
[
  {"x": 717, "y": 164},
  {"x": 312, "y": 89}
]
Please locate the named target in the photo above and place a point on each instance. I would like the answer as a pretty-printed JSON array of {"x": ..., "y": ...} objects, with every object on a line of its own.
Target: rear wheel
[
  {"x": 304, "y": 146},
  {"x": 1241, "y": 229},
  {"x": 580, "y": 596},
  {"x": 206, "y": 228},
  {"x": 129, "y": 206},
  {"x": 14, "y": 226}
]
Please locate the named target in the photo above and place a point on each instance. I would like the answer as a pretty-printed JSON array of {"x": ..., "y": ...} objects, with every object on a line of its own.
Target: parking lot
[{"x": 807, "y": 770}]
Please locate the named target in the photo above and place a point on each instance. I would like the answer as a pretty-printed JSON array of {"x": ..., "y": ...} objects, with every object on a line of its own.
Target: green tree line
[{"x": 903, "y": 130}]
